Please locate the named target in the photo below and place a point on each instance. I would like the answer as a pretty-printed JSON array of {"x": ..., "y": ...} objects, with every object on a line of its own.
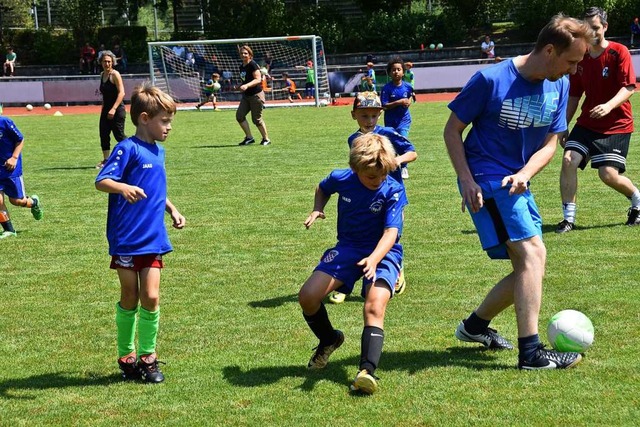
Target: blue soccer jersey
[
  {"x": 511, "y": 118},
  {"x": 137, "y": 228},
  {"x": 364, "y": 214},
  {"x": 399, "y": 142},
  {"x": 398, "y": 118},
  {"x": 10, "y": 136}
]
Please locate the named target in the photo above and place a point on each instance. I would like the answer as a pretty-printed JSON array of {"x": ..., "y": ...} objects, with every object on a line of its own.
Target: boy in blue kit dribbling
[
  {"x": 366, "y": 111},
  {"x": 396, "y": 97},
  {"x": 136, "y": 180},
  {"x": 11, "y": 182},
  {"x": 370, "y": 219}
]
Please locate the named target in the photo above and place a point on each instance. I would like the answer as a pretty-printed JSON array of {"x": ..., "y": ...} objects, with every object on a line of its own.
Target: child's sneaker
[
  {"x": 6, "y": 234},
  {"x": 364, "y": 382},
  {"x": 321, "y": 356},
  {"x": 149, "y": 370},
  {"x": 36, "y": 209},
  {"x": 401, "y": 284},
  {"x": 405, "y": 172},
  {"x": 550, "y": 359},
  {"x": 337, "y": 297},
  {"x": 101, "y": 164},
  {"x": 128, "y": 367}
]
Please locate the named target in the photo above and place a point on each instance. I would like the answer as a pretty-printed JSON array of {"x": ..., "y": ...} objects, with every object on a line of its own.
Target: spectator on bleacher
[
  {"x": 113, "y": 114},
  {"x": 10, "y": 62},
  {"x": 635, "y": 31},
  {"x": 227, "y": 80},
  {"x": 87, "y": 56},
  {"x": 310, "y": 84},
  {"x": 121, "y": 58},
  {"x": 252, "y": 98},
  {"x": 488, "y": 48}
]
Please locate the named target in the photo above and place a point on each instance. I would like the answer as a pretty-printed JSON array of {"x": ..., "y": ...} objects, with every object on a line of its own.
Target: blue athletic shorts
[
  {"x": 341, "y": 261},
  {"x": 13, "y": 187},
  {"x": 505, "y": 218}
]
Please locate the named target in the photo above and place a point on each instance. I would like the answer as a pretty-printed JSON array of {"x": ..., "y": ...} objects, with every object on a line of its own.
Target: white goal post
[{"x": 181, "y": 69}]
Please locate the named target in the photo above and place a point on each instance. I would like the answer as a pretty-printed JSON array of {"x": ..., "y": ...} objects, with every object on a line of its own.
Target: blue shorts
[
  {"x": 505, "y": 218},
  {"x": 13, "y": 187},
  {"x": 341, "y": 261}
]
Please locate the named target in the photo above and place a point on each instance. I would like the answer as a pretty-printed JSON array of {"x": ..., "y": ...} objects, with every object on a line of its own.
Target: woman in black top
[
  {"x": 252, "y": 98},
  {"x": 113, "y": 114}
]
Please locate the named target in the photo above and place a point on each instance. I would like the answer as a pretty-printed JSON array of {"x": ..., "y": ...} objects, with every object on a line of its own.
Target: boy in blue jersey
[
  {"x": 517, "y": 109},
  {"x": 136, "y": 180},
  {"x": 11, "y": 181},
  {"x": 370, "y": 207},
  {"x": 366, "y": 111},
  {"x": 396, "y": 99}
]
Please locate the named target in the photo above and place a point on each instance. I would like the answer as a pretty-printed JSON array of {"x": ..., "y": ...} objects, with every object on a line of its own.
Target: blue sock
[
  {"x": 528, "y": 346},
  {"x": 476, "y": 325}
]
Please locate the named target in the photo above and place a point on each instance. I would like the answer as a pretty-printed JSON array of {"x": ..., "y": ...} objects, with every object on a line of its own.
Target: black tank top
[{"x": 109, "y": 93}]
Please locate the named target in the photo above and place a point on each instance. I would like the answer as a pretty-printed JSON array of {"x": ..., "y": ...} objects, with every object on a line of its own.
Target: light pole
[{"x": 34, "y": 10}]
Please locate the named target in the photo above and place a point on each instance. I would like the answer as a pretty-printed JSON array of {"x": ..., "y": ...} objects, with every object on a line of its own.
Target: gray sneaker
[
  {"x": 321, "y": 356},
  {"x": 489, "y": 338}
]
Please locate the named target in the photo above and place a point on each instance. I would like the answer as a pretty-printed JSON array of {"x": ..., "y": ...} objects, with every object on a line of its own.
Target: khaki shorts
[{"x": 253, "y": 104}]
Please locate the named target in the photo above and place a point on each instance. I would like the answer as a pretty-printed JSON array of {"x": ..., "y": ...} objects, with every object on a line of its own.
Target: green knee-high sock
[
  {"x": 126, "y": 323},
  {"x": 148, "y": 330}
]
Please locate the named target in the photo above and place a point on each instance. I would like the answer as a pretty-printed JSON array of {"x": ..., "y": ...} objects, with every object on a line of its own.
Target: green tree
[
  {"x": 82, "y": 17},
  {"x": 19, "y": 7}
]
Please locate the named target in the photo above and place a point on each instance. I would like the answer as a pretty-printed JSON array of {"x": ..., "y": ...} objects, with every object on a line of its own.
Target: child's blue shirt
[
  {"x": 10, "y": 136},
  {"x": 398, "y": 117}
]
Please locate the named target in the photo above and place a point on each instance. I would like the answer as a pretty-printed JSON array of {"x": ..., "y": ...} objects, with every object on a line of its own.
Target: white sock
[
  {"x": 635, "y": 199},
  {"x": 569, "y": 212}
]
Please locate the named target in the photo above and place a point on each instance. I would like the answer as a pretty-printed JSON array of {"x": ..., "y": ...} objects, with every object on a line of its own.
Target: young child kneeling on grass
[
  {"x": 136, "y": 180},
  {"x": 369, "y": 227}
]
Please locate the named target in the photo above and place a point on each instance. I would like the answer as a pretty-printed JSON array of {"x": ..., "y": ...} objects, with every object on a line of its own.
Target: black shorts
[{"x": 599, "y": 148}]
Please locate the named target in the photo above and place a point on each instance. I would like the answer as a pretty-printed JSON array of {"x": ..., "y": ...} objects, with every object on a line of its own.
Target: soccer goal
[{"x": 182, "y": 68}]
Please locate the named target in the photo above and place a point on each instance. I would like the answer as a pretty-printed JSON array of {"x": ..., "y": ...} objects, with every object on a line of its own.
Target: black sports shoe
[
  {"x": 550, "y": 359},
  {"x": 490, "y": 338},
  {"x": 247, "y": 141},
  {"x": 149, "y": 370},
  {"x": 265, "y": 141},
  {"x": 564, "y": 226},
  {"x": 128, "y": 367},
  {"x": 633, "y": 217},
  {"x": 321, "y": 356}
]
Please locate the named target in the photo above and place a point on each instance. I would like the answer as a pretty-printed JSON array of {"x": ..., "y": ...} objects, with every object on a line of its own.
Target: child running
[
  {"x": 366, "y": 111},
  {"x": 370, "y": 220},
  {"x": 290, "y": 88},
  {"x": 136, "y": 180},
  {"x": 11, "y": 181},
  {"x": 209, "y": 91}
]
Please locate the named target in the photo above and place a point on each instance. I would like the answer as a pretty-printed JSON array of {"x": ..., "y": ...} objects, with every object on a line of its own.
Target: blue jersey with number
[
  {"x": 364, "y": 214},
  {"x": 137, "y": 228},
  {"x": 511, "y": 118},
  {"x": 398, "y": 117},
  {"x": 10, "y": 136}
]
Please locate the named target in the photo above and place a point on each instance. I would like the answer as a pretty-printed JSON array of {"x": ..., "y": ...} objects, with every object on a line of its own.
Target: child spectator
[
  {"x": 366, "y": 111},
  {"x": 369, "y": 79},
  {"x": 209, "y": 91},
  {"x": 11, "y": 181},
  {"x": 136, "y": 180},
  {"x": 370, "y": 211},
  {"x": 290, "y": 88},
  {"x": 10, "y": 62},
  {"x": 396, "y": 99},
  {"x": 408, "y": 75}
]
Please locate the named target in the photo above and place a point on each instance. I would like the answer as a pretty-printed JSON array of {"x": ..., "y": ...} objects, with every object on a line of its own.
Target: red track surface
[{"x": 95, "y": 109}]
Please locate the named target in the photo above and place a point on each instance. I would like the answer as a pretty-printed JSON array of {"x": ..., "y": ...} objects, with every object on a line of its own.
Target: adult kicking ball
[
  {"x": 29, "y": 107},
  {"x": 570, "y": 330},
  {"x": 47, "y": 106}
]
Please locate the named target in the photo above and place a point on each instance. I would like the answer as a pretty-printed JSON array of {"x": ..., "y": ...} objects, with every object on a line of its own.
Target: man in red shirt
[
  {"x": 87, "y": 55},
  {"x": 603, "y": 130}
]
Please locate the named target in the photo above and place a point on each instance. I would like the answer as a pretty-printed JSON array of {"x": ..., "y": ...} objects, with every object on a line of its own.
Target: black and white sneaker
[
  {"x": 550, "y": 359},
  {"x": 265, "y": 141},
  {"x": 321, "y": 356},
  {"x": 633, "y": 217},
  {"x": 489, "y": 338},
  {"x": 128, "y": 367},
  {"x": 247, "y": 141},
  {"x": 149, "y": 370},
  {"x": 564, "y": 226}
]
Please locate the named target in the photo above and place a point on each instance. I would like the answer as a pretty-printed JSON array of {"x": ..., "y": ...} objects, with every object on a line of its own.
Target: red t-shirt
[{"x": 600, "y": 79}]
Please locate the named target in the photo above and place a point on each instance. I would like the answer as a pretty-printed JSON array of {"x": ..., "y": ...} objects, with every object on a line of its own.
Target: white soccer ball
[
  {"x": 29, "y": 107},
  {"x": 47, "y": 106},
  {"x": 570, "y": 330},
  {"x": 264, "y": 71},
  {"x": 216, "y": 86},
  {"x": 324, "y": 102}
]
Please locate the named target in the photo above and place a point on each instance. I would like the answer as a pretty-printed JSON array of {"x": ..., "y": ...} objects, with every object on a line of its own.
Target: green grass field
[{"x": 231, "y": 331}]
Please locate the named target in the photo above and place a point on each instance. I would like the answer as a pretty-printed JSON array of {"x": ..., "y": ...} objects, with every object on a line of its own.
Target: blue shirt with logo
[
  {"x": 137, "y": 228},
  {"x": 10, "y": 136},
  {"x": 398, "y": 118},
  {"x": 364, "y": 214},
  {"x": 511, "y": 118}
]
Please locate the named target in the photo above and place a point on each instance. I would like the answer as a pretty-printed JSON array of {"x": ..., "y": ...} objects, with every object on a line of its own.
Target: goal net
[{"x": 182, "y": 68}]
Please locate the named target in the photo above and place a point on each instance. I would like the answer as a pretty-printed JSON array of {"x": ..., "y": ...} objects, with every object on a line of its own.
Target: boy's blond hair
[
  {"x": 147, "y": 98},
  {"x": 372, "y": 151}
]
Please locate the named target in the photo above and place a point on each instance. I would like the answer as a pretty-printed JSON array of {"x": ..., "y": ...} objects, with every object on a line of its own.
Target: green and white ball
[
  {"x": 570, "y": 330},
  {"x": 216, "y": 86}
]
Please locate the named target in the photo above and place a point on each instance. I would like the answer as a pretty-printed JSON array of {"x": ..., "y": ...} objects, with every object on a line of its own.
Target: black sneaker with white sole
[
  {"x": 489, "y": 338},
  {"x": 247, "y": 141},
  {"x": 550, "y": 359},
  {"x": 265, "y": 141},
  {"x": 149, "y": 370},
  {"x": 633, "y": 217},
  {"x": 564, "y": 226}
]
